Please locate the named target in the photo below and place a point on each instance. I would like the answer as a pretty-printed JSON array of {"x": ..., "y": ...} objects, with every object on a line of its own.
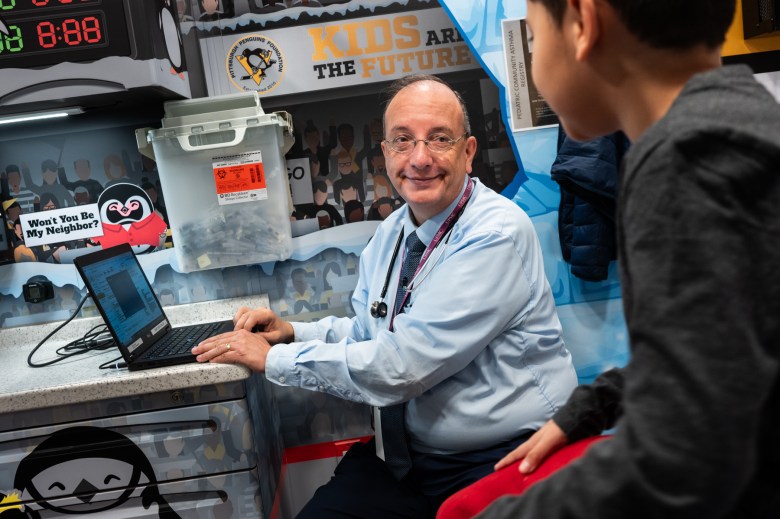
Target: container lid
[
  {"x": 212, "y": 115},
  {"x": 206, "y": 109}
]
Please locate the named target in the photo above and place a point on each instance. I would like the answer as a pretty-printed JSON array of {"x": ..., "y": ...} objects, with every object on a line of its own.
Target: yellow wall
[{"x": 736, "y": 43}]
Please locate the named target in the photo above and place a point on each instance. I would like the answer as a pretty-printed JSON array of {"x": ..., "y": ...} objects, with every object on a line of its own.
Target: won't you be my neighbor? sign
[{"x": 59, "y": 225}]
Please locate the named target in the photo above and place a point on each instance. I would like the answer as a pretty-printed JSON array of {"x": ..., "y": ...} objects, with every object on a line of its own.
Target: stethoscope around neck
[{"x": 378, "y": 308}]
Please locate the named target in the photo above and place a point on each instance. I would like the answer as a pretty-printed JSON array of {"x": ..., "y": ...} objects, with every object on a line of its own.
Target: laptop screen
[{"x": 123, "y": 295}]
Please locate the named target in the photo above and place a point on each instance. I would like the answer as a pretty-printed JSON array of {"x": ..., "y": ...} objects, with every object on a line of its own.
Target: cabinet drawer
[
  {"x": 130, "y": 404},
  {"x": 226, "y": 496},
  {"x": 173, "y": 444}
]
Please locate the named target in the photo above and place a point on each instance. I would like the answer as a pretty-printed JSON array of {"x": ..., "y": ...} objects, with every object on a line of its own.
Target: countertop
[{"x": 78, "y": 379}]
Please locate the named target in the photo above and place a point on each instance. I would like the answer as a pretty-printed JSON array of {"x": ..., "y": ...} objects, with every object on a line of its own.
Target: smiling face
[
  {"x": 15, "y": 181},
  {"x": 428, "y": 181},
  {"x": 85, "y": 485}
]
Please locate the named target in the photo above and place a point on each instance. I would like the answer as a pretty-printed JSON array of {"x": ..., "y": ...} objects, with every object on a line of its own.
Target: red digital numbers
[
  {"x": 42, "y": 3},
  {"x": 54, "y": 3},
  {"x": 90, "y": 27},
  {"x": 71, "y": 30},
  {"x": 47, "y": 38}
]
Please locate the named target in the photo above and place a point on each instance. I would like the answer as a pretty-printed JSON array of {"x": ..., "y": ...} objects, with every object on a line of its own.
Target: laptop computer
[{"x": 133, "y": 314}]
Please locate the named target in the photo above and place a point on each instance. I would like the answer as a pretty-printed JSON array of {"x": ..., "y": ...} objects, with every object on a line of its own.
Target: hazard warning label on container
[{"x": 239, "y": 178}]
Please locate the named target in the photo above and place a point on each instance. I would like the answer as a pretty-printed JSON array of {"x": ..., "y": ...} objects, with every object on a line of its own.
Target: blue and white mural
[{"x": 591, "y": 312}]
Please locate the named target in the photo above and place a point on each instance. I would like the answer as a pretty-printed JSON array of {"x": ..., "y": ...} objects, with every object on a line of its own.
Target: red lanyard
[{"x": 445, "y": 227}]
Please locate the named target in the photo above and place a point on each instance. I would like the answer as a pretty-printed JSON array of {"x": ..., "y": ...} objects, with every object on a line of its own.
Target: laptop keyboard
[{"x": 181, "y": 340}]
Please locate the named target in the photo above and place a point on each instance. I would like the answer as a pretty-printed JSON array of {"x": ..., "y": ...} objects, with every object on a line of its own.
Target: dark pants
[{"x": 362, "y": 487}]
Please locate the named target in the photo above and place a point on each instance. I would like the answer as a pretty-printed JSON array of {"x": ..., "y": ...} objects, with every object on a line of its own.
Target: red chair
[{"x": 473, "y": 499}]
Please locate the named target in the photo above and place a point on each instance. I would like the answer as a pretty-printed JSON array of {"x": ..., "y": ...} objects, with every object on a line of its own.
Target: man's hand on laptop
[
  {"x": 236, "y": 347},
  {"x": 264, "y": 322}
]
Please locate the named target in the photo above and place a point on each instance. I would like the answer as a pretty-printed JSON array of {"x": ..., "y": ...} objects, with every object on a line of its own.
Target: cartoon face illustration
[
  {"x": 128, "y": 216},
  {"x": 14, "y": 179},
  {"x": 87, "y": 470},
  {"x": 84, "y": 478},
  {"x": 131, "y": 209},
  {"x": 344, "y": 162}
]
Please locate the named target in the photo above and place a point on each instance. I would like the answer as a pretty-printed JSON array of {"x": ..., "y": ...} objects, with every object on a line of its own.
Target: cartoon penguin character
[
  {"x": 89, "y": 471},
  {"x": 128, "y": 216},
  {"x": 167, "y": 22}
]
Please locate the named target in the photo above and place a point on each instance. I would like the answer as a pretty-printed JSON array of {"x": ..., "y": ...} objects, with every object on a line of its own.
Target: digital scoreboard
[{"x": 41, "y": 33}]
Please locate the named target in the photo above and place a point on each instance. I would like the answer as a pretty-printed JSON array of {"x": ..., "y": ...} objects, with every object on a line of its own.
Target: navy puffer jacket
[{"x": 587, "y": 173}]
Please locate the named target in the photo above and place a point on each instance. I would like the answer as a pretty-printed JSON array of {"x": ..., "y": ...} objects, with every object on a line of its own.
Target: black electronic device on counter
[{"x": 132, "y": 313}]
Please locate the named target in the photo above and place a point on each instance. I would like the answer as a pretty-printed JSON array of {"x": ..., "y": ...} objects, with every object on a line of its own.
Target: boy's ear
[{"x": 586, "y": 27}]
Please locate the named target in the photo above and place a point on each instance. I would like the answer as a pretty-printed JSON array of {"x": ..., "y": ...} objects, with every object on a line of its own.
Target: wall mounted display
[{"x": 64, "y": 53}]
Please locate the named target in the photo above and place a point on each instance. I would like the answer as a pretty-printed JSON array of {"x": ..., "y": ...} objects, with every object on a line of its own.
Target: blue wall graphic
[{"x": 591, "y": 312}]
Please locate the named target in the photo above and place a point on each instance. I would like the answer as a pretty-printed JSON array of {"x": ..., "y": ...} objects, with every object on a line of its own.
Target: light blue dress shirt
[{"x": 478, "y": 353}]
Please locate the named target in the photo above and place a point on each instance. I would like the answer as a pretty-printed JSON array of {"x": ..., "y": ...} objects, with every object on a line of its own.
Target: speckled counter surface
[{"x": 78, "y": 379}]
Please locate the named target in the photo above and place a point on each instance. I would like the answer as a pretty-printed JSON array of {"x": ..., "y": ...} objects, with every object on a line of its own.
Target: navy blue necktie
[{"x": 397, "y": 456}]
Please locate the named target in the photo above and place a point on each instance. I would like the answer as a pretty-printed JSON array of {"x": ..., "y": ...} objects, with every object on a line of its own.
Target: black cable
[
  {"x": 113, "y": 364},
  {"x": 95, "y": 339}
]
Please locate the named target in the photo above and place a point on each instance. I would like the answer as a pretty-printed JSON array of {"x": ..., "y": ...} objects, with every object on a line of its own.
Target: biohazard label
[{"x": 240, "y": 178}]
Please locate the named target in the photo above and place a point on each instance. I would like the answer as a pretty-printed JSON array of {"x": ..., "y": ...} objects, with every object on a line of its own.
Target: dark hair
[
  {"x": 351, "y": 208},
  {"x": 330, "y": 267},
  {"x": 11, "y": 168},
  {"x": 344, "y": 127},
  {"x": 672, "y": 24},
  {"x": 347, "y": 182},
  {"x": 47, "y": 197},
  {"x": 48, "y": 165},
  {"x": 319, "y": 185},
  {"x": 310, "y": 128},
  {"x": 399, "y": 84}
]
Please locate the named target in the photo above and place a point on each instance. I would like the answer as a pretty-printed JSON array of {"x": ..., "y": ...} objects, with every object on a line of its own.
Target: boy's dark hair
[{"x": 671, "y": 24}]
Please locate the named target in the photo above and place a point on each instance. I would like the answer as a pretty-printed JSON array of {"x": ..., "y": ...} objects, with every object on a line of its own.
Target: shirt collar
[{"x": 427, "y": 230}]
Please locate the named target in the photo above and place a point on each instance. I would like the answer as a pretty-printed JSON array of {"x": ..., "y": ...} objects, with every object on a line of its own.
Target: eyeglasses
[{"x": 439, "y": 143}]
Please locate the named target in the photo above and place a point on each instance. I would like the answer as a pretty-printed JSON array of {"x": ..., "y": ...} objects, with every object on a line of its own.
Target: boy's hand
[{"x": 536, "y": 449}]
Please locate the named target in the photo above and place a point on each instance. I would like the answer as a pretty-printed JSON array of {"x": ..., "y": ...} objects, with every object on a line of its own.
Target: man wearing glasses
[{"x": 455, "y": 339}]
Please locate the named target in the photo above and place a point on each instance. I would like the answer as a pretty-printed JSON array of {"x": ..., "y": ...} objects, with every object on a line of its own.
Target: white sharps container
[{"x": 223, "y": 174}]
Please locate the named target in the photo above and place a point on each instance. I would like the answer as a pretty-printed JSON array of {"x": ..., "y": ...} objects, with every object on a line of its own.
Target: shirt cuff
[{"x": 280, "y": 365}]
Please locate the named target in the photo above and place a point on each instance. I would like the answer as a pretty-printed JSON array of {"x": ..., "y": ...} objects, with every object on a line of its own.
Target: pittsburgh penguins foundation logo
[{"x": 255, "y": 63}]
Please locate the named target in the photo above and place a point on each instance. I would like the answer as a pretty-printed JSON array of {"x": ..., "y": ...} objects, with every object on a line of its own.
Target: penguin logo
[
  {"x": 88, "y": 470},
  {"x": 128, "y": 216},
  {"x": 255, "y": 63}
]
